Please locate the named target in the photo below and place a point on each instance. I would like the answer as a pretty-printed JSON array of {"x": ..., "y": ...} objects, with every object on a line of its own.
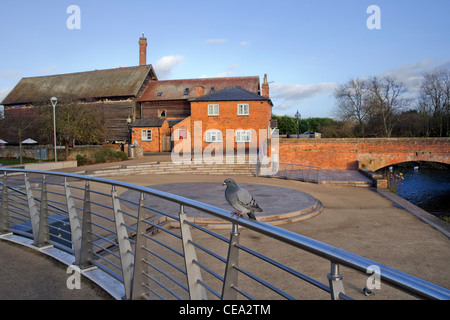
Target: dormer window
[
  {"x": 159, "y": 94},
  {"x": 186, "y": 91}
]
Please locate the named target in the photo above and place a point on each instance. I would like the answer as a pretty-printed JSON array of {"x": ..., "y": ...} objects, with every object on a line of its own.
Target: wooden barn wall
[
  {"x": 174, "y": 109},
  {"x": 116, "y": 114}
]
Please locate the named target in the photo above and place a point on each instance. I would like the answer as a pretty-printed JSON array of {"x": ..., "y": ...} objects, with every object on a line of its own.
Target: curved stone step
[{"x": 280, "y": 205}]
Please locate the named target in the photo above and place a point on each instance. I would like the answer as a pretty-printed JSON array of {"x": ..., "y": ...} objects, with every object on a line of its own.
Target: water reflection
[{"x": 427, "y": 188}]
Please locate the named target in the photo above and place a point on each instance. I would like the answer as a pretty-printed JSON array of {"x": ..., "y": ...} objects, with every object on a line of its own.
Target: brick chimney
[
  {"x": 143, "y": 50},
  {"x": 265, "y": 87},
  {"x": 199, "y": 91}
]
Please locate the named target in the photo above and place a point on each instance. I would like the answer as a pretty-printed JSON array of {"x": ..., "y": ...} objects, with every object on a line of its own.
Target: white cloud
[
  {"x": 300, "y": 92},
  {"x": 216, "y": 41},
  {"x": 10, "y": 75},
  {"x": 244, "y": 43},
  {"x": 53, "y": 69},
  {"x": 412, "y": 74},
  {"x": 230, "y": 72},
  {"x": 163, "y": 67},
  {"x": 288, "y": 96},
  {"x": 4, "y": 92}
]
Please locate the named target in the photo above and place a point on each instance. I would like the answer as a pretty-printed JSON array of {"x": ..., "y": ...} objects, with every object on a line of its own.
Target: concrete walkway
[
  {"x": 359, "y": 220},
  {"x": 26, "y": 274}
]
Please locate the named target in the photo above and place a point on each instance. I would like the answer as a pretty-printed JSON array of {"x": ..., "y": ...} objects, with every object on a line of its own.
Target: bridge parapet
[
  {"x": 370, "y": 153},
  {"x": 131, "y": 242}
]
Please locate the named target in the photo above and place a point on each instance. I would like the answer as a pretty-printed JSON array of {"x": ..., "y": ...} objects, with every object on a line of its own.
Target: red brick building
[{"x": 203, "y": 108}]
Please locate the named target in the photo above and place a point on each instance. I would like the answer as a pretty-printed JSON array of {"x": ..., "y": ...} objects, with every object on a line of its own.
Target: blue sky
[{"x": 305, "y": 47}]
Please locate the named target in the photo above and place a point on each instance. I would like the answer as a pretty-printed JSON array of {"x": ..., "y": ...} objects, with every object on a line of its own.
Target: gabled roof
[
  {"x": 151, "y": 122},
  {"x": 234, "y": 93},
  {"x": 120, "y": 82},
  {"x": 186, "y": 89},
  {"x": 155, "y": 122}
]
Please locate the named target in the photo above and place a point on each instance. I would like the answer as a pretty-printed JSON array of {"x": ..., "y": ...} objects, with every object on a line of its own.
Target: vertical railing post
[
  {"x": 231, "y": 274},
  {"x": 87, "y": 247},
  {"x": 75, "y": 226},
  {"x": 4, "y": 213},
  {"x": 43, "y": 233},
  {"x": 335, "y": 281},
  {"x": 33, "y": 211},
  {"x": 194, "y": 275},
  {"x": 125, "y": 252},
  {"x": 139, "y": 255}
]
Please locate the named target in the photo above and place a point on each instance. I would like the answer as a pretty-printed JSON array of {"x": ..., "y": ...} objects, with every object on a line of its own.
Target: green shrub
[
  {"x": 122, "y": 156},
  {"x": 109, "y": 155},
  {"x": 100, "y": 156},
  {"x": 82, "y": 160}
]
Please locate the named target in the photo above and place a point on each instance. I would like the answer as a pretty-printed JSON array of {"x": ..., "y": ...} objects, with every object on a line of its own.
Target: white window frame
[
  {"x": 145, "y": 135},
  {"x": 241, "y": 109},
  {"x": 212, "y": 136},
  {"x": 243, "y": 136},
  {"x": 213, "y": 110}
]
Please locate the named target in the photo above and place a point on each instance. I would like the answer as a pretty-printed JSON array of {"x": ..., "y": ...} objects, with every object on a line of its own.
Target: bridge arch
[{"x": 418, "y": 164}]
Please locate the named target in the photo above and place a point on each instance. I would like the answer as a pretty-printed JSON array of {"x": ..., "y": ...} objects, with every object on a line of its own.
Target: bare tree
[
  {"x": 387, "y": 101},
  {"x": 434, "y": 101},
  {"x": 17, "y": 125},
  {"x": 75, "y": 120},
  {"x": 352, "y": 98}
]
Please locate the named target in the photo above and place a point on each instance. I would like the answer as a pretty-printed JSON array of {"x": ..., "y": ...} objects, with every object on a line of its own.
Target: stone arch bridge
[{"x": 371, "y": 153}]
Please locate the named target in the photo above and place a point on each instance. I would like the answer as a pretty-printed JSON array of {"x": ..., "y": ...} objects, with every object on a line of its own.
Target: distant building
[
  {"x": 213, "y": 101},
  {"x": 115, "y": 91},
  {"x": 139, "y": 107}
]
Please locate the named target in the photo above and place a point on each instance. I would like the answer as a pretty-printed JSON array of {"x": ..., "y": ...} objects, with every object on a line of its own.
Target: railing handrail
[{"x": 389, "y": 275}]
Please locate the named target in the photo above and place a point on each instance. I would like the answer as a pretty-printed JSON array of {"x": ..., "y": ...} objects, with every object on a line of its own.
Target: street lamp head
[
  {"x": 54, "y": 101},
  {"x": 297, "y": 115}
]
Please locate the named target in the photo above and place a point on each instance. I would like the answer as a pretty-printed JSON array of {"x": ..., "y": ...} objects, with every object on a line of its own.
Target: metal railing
[
  {"x": 299, "y": 172},
  {"x": 144, "y": 238}
]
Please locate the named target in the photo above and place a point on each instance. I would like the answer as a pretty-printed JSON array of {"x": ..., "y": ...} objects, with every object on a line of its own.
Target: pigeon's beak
[{"x": 224, "y": 184}]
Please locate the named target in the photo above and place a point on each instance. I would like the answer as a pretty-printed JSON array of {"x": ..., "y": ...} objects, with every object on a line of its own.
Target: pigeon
[{"x": 240, "y": 199}]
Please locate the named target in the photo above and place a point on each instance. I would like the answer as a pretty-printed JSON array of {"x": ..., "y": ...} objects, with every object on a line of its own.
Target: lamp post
[
  {"x": 297, "y": 116},
  {"x": 54, "y": 101},
  {"x": 130, "y": 136}
]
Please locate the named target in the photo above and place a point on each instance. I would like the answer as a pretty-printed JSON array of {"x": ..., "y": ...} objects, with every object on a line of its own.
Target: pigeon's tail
[{"x": 251, "y": 215}]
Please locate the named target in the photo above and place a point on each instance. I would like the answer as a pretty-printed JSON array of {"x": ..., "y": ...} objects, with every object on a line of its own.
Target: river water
[{"x": 426, "y": 188}]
